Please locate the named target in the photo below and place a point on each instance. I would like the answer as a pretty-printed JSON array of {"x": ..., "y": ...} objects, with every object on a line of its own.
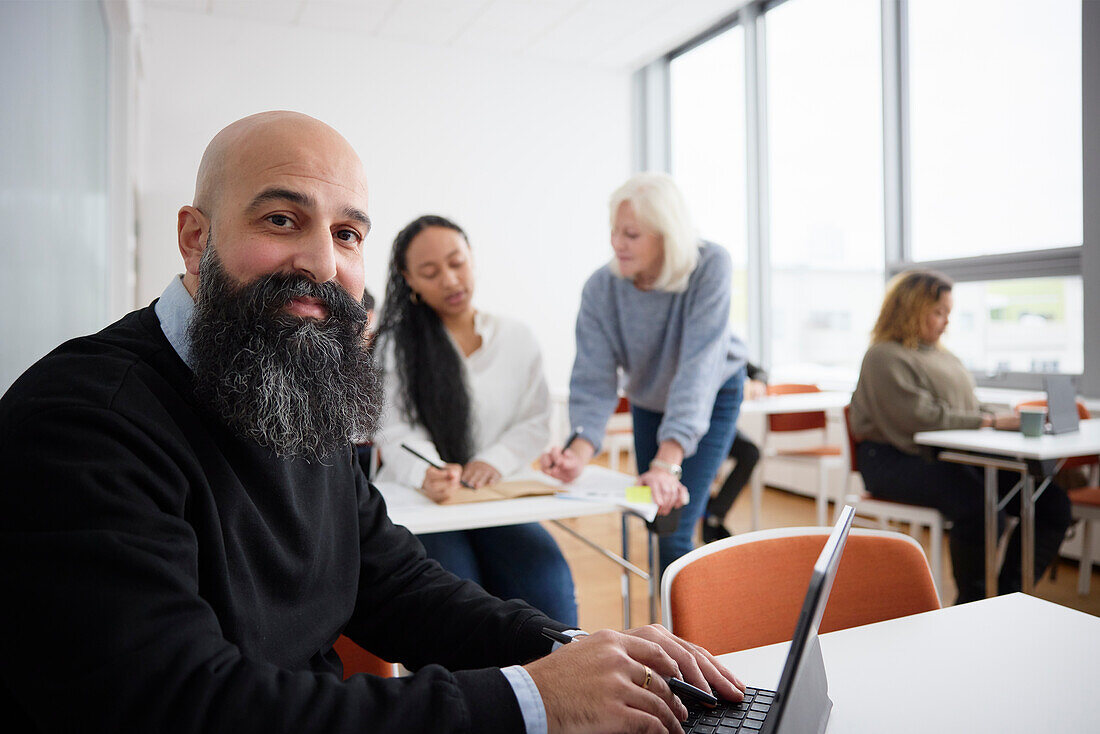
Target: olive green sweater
[{"x": 902, "y": 391}]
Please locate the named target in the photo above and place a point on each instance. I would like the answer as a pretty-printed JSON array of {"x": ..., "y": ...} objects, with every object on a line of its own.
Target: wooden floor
[{"x": 598, "y": 579}]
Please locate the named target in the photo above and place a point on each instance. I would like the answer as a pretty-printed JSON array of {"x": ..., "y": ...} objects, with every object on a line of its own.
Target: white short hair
[{"x": 659, "y": 205}]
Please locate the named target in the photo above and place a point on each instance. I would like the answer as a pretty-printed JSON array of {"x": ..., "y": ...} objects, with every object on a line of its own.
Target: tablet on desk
[{"x": 1062, "y": 414}]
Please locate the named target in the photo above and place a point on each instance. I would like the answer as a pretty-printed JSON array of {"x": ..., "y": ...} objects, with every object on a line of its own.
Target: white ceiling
[{"x": 622, "y": 34}]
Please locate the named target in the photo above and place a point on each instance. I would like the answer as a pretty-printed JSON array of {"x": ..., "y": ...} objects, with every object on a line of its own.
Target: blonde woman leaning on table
[
  {"x": 465, "y": 388},
  {"x": 659, "y": 311},
  {"x": 908, "y": 383}
]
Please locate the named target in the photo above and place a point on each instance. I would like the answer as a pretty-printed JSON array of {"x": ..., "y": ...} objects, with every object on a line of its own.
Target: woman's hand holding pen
[
  {"x": 479, "y": 474},
  {"x": 561, "y": 464},
  {"x": 440, "y": 484},
  {"x": 567, "y": 463}
]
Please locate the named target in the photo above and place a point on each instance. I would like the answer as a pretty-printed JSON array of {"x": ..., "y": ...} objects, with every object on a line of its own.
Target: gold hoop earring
[{"x": 414, "y": 297}]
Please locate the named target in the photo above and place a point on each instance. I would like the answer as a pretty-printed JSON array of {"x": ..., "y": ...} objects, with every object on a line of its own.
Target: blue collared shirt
[{"x": 174, "y": 309}]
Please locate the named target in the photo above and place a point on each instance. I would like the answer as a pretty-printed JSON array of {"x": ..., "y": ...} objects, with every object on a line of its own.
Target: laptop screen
[
  {"x": 801, "y": 702},
  {"x": 1061, "y": 403}
]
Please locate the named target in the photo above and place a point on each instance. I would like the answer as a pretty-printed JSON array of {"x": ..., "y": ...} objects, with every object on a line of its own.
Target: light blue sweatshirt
[{"x": 676, "y": 350}]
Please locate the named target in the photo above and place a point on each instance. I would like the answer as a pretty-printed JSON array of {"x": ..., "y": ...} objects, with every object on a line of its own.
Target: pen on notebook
[
  {"x": 679, "y": 687},
  {"x": 421, "y": 456}
]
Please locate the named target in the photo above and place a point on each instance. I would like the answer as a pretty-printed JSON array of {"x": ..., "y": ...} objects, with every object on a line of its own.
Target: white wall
[{"x": 522, "y": 154}]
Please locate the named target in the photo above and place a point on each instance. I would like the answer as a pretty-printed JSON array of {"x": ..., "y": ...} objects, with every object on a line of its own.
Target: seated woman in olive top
[{"x": 908, "y": 383}]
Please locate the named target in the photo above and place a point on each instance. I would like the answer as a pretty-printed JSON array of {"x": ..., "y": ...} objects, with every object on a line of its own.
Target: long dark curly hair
[{"x": 433, "y": 389}]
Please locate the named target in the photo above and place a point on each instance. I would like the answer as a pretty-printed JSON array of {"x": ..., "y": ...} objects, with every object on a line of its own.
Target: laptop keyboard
[{"x": 727, "y": 718}]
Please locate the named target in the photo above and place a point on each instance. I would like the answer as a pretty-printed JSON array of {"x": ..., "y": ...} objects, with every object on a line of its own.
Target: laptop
[
  {"x": 801, "y": 704},
  {"x": 1061, "y": 404}
]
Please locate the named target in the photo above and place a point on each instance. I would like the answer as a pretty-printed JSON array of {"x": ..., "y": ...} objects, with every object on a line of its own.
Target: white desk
[
  {"x": 420, "y": 515},
  {"x": 1034, "y": 458},
  {"x": 797, "y": 403},
  {"x": 1009, "y": 664},
  {"x": 810, "y": 402}
]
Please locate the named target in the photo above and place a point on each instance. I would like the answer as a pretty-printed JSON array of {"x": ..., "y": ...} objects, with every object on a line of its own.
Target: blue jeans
[
  {"x": 510, "y": 562},
  {"x": 699, "y": 469}
]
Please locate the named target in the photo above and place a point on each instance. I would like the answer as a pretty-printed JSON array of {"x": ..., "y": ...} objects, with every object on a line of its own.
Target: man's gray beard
[{"x": 301, "y": 387}]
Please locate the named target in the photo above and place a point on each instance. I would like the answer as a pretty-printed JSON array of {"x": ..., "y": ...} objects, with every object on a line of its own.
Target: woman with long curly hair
[
  {"x": 466, "y": 389},
  {"x": 908, "y": 383}
]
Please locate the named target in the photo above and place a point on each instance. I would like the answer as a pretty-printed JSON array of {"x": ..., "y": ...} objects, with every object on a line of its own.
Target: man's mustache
[{"x": 272, "y": 293}]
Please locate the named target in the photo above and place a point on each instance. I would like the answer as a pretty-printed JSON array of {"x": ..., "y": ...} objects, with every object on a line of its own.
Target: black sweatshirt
[{"x": 162, "y": 575}]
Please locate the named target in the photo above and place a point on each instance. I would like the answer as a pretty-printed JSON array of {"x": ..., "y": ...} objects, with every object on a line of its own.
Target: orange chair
[
  {"x": 747, "y": 591},
  {"x": 824, "y": 457},
  {"x": 885, "y": 511},
  {"x": 358, "y": 660},
  {"x": 1085, "y": 501}
]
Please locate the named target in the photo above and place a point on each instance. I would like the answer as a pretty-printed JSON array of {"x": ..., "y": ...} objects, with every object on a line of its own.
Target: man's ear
[{"x": 192, "y": 231}]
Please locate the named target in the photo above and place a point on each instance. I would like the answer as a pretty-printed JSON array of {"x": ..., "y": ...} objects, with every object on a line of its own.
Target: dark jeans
[
  {"x": 510, "y": 562},
  {"x": 746, "y": 454},
  {"x": 958, "y": 492},
  {"x": 699, "y": 468}
]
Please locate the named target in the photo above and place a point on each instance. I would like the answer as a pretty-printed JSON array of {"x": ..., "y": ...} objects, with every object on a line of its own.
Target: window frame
[{"x": 652, "y": 108}]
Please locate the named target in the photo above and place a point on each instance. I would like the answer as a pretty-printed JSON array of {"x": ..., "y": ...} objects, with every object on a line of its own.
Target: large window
[
  {"x": 1019, "y": 325},
  {"x": 53, "y": 178},
  {"x": 824, "y": 133},
  {"x": 994, "y": 125},
  {"x": 708, "y": 149},
  {"x": 833, "y": 143}
]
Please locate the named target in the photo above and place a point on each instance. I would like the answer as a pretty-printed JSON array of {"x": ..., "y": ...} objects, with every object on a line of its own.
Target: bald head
[
  {"x": 261, "y": 140},
  {"x": 278, "y": 192}
]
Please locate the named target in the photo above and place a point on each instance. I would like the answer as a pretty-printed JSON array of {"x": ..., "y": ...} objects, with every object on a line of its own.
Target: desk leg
[
  {"x": 654, "y": 576},
  {"x": 1027, "y": 519},
  {"x": 757, "y": 487},
  {"x": 990, "y": 531},
  {"x": 756, "y": 481},
  {"x": 625, "y": 581}
]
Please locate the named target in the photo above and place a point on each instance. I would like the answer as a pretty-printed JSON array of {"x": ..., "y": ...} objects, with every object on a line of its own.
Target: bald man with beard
[{"x": 185, "y": 530}]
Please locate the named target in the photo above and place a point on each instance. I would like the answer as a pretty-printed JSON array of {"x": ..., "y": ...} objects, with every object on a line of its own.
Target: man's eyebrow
[
  {"x": 358, "y": 215},
  {"x": 279, "y": 194}
]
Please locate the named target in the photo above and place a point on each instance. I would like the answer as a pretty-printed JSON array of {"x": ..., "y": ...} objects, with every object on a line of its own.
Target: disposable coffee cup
[{"x": 1032, "y": 420}]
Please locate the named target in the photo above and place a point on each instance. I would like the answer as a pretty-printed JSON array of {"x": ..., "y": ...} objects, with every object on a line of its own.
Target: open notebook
[{"x": 524, "y": 485}]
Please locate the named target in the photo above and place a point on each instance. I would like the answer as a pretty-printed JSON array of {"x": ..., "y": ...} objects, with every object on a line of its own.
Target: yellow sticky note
[{"x": 638, "y": 494}]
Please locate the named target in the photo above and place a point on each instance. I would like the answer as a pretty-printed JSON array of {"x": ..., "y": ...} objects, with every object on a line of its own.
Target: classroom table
[
  {"x": 1037, "y": 459},
  {"x": 1007, "y": 664},
  {"x": 809, "y": 402},
  {"x": 420, "y": 515}
]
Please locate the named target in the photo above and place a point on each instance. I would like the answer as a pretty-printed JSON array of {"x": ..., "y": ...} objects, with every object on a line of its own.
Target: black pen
[
  {"x": 679, "y": 687},
  {"x": 419, "y": 455},
  {"x": 565, "y": 445}
]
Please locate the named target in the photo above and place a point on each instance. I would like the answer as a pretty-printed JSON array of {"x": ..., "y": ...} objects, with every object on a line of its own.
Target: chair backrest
[
  {"x": 780, "y": 422},
  {"x": 853, "y": 457},
  {"x": 358, "y": 660},
  {"x": 1082, "y": 410},
  {"x": 623, "y": 406},
  {"x": 747, "y": 590}
]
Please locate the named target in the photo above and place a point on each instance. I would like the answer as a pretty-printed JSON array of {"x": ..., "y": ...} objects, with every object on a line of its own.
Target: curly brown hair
[{"x": 909, "y": 296}]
